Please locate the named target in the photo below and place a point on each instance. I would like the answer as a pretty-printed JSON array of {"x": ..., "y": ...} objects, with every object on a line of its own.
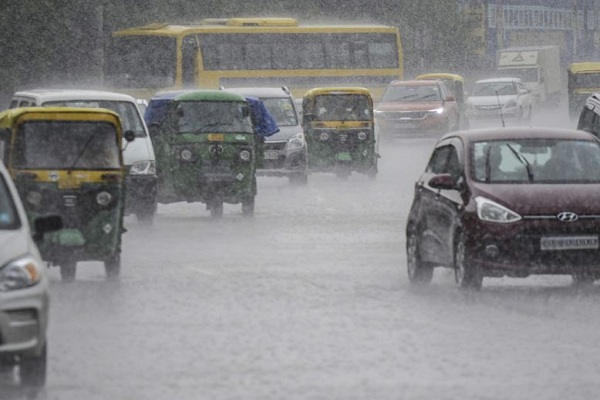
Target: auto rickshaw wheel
[
  {"x": 216, "y": 209},
  {"x": 299, "y": 179},
  {"x": 68, "y": 269},
  {"x": 112, "y": 266},
  {"x": 248, "y": 206},
  {"x": 343, "y": 173}
]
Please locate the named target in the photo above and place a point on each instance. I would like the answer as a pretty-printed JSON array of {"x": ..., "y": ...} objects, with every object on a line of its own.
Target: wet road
[{"x": 309, "y": 300}]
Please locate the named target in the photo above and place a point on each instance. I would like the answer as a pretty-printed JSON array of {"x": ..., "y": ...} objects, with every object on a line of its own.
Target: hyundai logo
[{"x": 567, "y": 216}]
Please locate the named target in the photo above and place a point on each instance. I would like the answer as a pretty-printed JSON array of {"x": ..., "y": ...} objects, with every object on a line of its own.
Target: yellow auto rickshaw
[
  {"x": 339, "y": 129},
  {"x": 68, "y": 162},
  {"x": 456, "y": 85},
  {"x": 583, "y": 81}
]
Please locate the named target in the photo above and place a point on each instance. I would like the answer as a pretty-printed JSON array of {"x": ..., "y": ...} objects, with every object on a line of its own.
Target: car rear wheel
[
  {"x": 466, "y": 275},
  {"x": 299, "y": 179},
  {"x": 68, "y": 269},
  {"x": 419, "y": 273},
  {"x": 32, "y": 370}
]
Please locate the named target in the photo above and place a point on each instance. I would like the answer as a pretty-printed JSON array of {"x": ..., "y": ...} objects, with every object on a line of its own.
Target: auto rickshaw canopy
[
  {"x": 584, "y": 67},
  {"x": 312, "y": 93},
  {"x": 14, "y": 116}
]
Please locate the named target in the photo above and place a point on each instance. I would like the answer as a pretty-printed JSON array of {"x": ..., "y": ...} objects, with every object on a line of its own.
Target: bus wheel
[{"x": 68, "y": 270}]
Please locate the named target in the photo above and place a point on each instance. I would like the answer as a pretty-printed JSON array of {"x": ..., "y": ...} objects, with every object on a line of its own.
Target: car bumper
[
  {"x": 284, "y": 163},
  {"x": 500, "y": 252},
  {"x": 428, "y": 124},
  {"x": 23, "y": 321}
]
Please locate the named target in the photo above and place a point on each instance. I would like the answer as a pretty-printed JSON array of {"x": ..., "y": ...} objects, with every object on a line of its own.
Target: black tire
[
  {"x": 248, "y": 206},
  {"x": 419, "y": 273},
  {"x": 299, "y": 179},
  {"x": 32, "y": 370},
  {"x": 465, "y": 274},
  {"x": 582, "y": 279},
  {"x": 68, "y": 270},
  {"x": 216, "y": 209},
  {"x": 112, "y": 266}
]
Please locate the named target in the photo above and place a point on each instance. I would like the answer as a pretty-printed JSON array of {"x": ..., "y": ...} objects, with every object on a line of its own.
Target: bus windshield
[
  {"x": 66, "y": 145},
  {"x": 130, "y": 118},
  {"x": 141, "y": 62}
]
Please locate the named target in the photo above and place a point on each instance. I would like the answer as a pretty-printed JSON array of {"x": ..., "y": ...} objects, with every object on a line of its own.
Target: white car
[
  {"x": 498, "y": 100},
  {"x": 24, "y": 295}
]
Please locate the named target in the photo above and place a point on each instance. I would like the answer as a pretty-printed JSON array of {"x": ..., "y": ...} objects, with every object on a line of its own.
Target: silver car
[
  {"x": 499, "y": 100},
  {"x": 23, "y": 289},
  {"x": 285, "y": 152}
]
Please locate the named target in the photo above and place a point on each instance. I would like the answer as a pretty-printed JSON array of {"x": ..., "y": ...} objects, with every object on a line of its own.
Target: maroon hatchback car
[{"x": 507, "y": 202}]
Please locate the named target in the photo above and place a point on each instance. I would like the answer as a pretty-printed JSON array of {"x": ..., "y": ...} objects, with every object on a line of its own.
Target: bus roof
[{"x": 584, "y": 67}]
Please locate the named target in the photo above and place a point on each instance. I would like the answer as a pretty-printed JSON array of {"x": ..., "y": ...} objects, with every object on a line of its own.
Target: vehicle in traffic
[
  {"x": 68, "y": 162},
  {"x": 339, "y": 129},
  {"x": 499, "y": 101},
  {"x": 583, "y": 81},
  {"x": 456, "y": 85},
  {"x": 589, "y": 119},
  {"x": 138, "y": 156},
  {"x": 24, "y": 292},
  {"x": 417, "y": 107},
  {"x": 208, "y": 144},
  {"x": 507, "y": 202},
  {"x": 237, "y": 52},
  {"x": 285, "y": 153},
  {"x": 538, "y": 67}
]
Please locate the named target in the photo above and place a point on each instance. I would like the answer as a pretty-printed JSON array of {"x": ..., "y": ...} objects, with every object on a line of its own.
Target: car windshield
[
  {"x": 282, "y": 110},
  {"x": 209, "y": 117},
  {"x": 411, "y": 93},
  {"x": 8, "y": 214},
  {"x": 342, "y": 107},
  {"x": 66, "y": 145},
  {"x": 493, "y": 88},
  {"x": 550, "y": 161},
  {"x": 130, "y": 117}
]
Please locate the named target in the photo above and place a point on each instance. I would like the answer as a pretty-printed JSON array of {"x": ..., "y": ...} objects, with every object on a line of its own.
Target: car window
[
  {"x": 9, "y": 218},
  {"x": 411, "y": 93},
  {"x": 536, "y": 161},
  {"x": 282, "y": 110},
  {"x": 493, "y": 88},
  {"x": 439, "y": 160}
]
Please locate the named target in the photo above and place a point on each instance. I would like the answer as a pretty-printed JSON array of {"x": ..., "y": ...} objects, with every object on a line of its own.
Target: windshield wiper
[
  {"x": 87, "y": 143},
  {"x": 205, "y": 127},
  {"x": 523, "y": 161}
]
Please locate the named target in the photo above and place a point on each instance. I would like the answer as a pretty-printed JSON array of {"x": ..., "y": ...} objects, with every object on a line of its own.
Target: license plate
[
  {"x": 216, "y": 137},
  {"x": 569, "y": 243},
  {"x": 271, "y": 155}
]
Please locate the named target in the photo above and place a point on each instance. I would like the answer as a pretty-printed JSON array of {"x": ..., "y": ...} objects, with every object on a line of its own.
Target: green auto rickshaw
[
  {"x": 68, "y": 162},
  {"x": 339, "y": 130},
  {"x": 207, "y": 145}
]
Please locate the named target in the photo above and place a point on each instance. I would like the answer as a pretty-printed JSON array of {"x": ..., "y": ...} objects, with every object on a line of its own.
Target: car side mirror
[
  {"x": 43, "y": 225},
  {"x": 129, "y": 136},
  {"x": 442, "y": 181},
  {"x": 308, "y": 117},
  {"x": 449, "y": 98}
]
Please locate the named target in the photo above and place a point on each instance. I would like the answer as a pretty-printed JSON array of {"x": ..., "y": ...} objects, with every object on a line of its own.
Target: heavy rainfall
[{"x": 263, "y": 231}]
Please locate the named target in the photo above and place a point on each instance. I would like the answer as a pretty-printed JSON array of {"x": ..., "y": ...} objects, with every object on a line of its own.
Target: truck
[{"x": 539, "y": 69}]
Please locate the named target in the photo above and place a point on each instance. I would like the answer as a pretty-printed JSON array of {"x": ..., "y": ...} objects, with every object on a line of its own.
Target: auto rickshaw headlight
[
  {"x": 324, "y": 136},
  {"x": 34, "y": 198},
  {"x": 20, "y": 274},
  {"x": 245, "y": 155},
  {"x": 186, "y": 155},
  {"x": 103, "y": 198},
  {"x": 362, "y": 135}
]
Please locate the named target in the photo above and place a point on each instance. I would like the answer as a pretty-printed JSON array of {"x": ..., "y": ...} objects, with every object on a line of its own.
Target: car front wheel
[
  {"x": 419, "y": 273},
  {"x": 466, "y": 275},
  {"x": 32, "y": 370}
]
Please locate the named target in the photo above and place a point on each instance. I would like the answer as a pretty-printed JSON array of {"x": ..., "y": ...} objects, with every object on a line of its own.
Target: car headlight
[
  {"x": 511, "y": 104},
  {"x": 296, "y": 141},
  {"x": 245, "y": 155},
  {"x": 144, "y": 167},
  {"x": 103, "y": 198},
  {"x": 19, "y": 274},
  {"x": 490, "y": 211},
  {"x": 437, "y": 111},
  {"x": 324, "y": 136},
  {"x": 362, "y": 135}
]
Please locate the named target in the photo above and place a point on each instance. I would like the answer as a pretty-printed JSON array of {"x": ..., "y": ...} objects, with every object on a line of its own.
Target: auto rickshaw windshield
[
  {"x": 66, "y": 145},
  {"x": 337, "y": 107},
  {"x": 210, "y": 116}
]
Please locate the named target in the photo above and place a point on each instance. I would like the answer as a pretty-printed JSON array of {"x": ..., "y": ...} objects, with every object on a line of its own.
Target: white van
[{"x": 138, "y": 155}]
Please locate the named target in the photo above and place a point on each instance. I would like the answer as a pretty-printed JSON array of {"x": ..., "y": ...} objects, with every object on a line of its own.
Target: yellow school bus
[{"x": 238, "y": 52}]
